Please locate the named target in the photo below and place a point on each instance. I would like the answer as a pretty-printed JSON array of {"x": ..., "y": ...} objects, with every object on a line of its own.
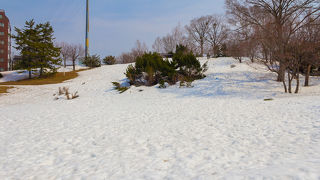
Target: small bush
[
  {"x": 91, "y": 61},
  {"x": 233, "y": 66},
  {"x": 118, "y": 87},
  {"x": 1, "y": 76},
  {"x": 109, "y": 60}
]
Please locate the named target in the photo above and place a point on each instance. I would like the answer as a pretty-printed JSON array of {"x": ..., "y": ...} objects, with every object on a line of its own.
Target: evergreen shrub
[
  {"x": 91, "y": 61},
  {"x": 109, "y": 60},
  {"x": 151, "y": 69}
]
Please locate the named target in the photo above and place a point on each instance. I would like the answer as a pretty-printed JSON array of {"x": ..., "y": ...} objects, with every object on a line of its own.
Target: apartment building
[{"x": 5, "y": 41}]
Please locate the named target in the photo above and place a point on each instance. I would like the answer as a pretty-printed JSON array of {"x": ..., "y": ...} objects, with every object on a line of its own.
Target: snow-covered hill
[{"x": 220, "y": 128}]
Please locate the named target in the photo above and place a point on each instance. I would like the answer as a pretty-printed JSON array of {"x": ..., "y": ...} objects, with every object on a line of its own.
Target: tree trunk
[
  {"x": 289, "y": 82},
  {"x": 298, "y": 84},
  {"x": 252, "y": 59},
  {"x": 65, "y": 63},
  {"x": 285, "y": 86},
  {"x": 307, "y": 76},
  {"x": 74, "y": 65},
  {"x": 214, "y": 51},
  {"x": 281, "y": 72},
  {"x": 41, "y": 71},
  {"x": 202, "y": 51},
  {"x": 30, "y": 73}
]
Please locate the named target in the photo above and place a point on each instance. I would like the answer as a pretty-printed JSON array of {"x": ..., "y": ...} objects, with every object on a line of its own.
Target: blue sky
[{"x": 115, "y": 24}]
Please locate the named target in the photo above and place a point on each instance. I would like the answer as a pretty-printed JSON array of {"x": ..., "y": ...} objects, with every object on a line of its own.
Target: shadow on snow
[{"x": 247, "y": 85}]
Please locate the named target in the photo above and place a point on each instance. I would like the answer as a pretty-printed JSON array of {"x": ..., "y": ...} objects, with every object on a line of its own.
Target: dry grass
[
  {"x": 53, "y": 79},
  {"x": 65, "y": 91},
  {"x": 4, "y": 89}
]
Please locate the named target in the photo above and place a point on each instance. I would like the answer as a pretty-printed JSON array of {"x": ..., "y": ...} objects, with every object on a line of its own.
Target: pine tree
[
  {"x": 35, "y": 43},
  {"x": 48, "y": 53},
  {"x": 25, "y": 43}
]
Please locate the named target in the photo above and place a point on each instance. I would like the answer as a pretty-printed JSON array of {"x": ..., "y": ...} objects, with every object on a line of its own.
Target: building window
[
  {"x": 1, "y": 33},
  {"x": 1, "y": 69},
  {"x": 0, "y": 16},
  {"x": 1, "y": 60},
  {"x": 1, "y": 51},
  {"x": 1, "y": 25},
  {"x": 1, "y": 42}
]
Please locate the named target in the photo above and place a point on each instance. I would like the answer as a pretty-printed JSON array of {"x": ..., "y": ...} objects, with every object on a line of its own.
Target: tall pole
[{"x": 87, "y": 31}]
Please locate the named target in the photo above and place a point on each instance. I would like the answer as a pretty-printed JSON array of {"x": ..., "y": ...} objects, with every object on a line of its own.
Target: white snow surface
[
  {"x": 15, "y": 75},
  {"x": 220, "y": 129},
  {"x": 23, "y": 74}
]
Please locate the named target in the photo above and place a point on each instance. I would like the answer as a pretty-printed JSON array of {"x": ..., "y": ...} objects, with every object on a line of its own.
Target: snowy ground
[
  {"x": 220, "y": 129},
  {"x": 22, "y": 74}
]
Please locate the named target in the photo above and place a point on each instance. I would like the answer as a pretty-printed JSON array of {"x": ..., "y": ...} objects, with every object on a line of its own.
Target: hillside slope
[{"x": 220, "y": 128}]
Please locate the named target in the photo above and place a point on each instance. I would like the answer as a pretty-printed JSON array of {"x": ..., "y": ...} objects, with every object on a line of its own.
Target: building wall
[{"x": 5, "y": 42}]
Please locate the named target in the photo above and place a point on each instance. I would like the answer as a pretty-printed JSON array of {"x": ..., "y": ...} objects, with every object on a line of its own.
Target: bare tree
[
  {"x": 169, "y": 42},
  {"x": 129, "y": 57},
  {"x": 251, "y": 47},
  {"x": 158, "y": 45},
  {"x": 178, "y": 34},
  {"x": 139, "y": 49},
  {"x": 126, "y": 57},
  {"x": 76, "y": 51},
  {"x": 275, "y": 22},
  {"x": 65, "y": 52},
  {"x": 235, "y": 47},
  {"x": 304, "y": 49},
  {"x": 198, "y": 30},
  {"x": 311, "y": 46},
  {"x": 193, "y": 45},
  {"x": 286, "y": 17},
  {"x": 217, "y": 34}
]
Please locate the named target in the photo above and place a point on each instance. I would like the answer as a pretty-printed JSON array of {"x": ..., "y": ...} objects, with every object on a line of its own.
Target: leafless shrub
[
  {"x": 130, "y": 57},
  {"x": 64, "y": 91},
  {"x": 60, "y": 92},
  {"x": 72, "y": 95}
]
